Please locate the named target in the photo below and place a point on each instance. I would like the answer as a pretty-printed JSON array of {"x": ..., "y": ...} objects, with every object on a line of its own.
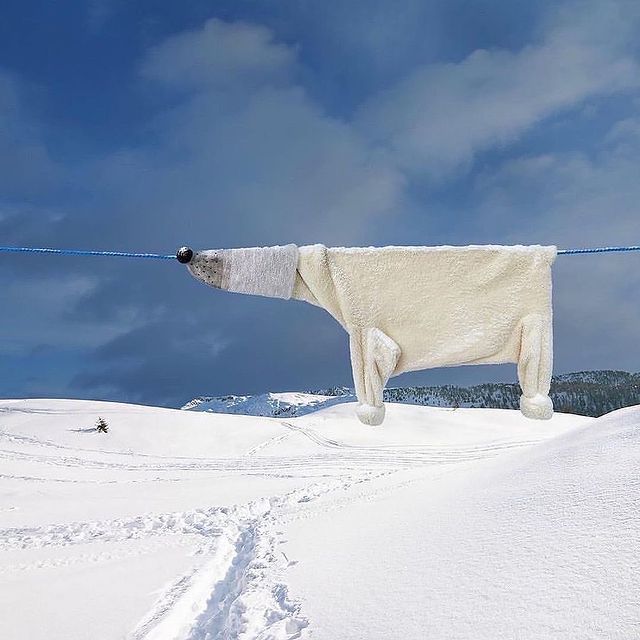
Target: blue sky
[{"x": 145, "y": 126}]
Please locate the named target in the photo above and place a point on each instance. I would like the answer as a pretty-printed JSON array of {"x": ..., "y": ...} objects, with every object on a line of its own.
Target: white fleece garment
[
  {"x": 411, "y": 308},
  {"x": 261, "y": 271}
]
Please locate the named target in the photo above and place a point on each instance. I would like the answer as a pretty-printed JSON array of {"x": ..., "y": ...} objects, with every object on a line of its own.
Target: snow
[
  {"x": 285, "y": 404},
  {"x": 466, "y": 523}
]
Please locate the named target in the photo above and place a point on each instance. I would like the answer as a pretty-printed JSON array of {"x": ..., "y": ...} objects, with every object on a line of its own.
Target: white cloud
[
  {"x": 246, "y": 154},
  {"x": 441, "y": 115},
  {"x": 26, "y": 168},
  {"x": 219, "y": 54},
  {"x": 625, "y": 134},
  {"x": 570, "y": 197},
  {"x": 40, "y": 309},
  {"x": 573, "y": 200}
]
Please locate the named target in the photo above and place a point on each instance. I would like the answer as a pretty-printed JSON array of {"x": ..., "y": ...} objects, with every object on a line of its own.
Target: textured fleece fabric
[
  {"x": 411, "y": 308},
  {"x": 262, "y": 271}
]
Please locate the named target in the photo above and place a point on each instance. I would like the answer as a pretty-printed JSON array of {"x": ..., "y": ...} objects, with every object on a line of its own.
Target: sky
[{"x": 145, "y": 126}]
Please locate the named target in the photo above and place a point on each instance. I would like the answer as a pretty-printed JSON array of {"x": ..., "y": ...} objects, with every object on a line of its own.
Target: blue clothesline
[
  {"x": 565, "y": 252},
  {"x": 83, "y": 252},
  {"x": 158, "y": 256}
]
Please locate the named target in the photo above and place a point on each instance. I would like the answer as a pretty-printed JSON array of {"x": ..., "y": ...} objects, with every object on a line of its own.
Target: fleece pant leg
[
  {"x": 534, "y": 367},
  {"x": 374, "y": 356}
]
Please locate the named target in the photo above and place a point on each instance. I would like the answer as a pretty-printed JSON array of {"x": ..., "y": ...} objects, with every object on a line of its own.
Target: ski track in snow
[
  {"x": 235, "y": 588},
  {"x": 339, "y": 456},
  {"x": 239, "y": 592}
]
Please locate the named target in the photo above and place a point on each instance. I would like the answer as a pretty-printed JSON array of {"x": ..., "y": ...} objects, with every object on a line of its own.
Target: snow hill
[{"x": 441, "y": 524}]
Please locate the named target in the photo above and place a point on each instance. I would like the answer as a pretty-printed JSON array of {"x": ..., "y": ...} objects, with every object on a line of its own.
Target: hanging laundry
[{"x": 412, "y": 308}]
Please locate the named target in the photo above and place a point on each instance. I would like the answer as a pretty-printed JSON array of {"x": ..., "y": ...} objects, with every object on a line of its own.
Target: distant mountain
[
  {"x": 275, "y": 405},
  {"x": 590, "y": 393}
]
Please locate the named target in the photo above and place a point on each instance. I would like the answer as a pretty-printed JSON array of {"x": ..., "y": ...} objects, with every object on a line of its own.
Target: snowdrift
[
  {"x": 467, "y": 523},
  {"x": 542, "y": 543}
]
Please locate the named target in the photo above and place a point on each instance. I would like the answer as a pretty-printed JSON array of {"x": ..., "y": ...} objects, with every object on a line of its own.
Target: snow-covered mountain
[
  {"x": 184, "y": 525},
  {"x": 274, "y": 405},
  {"x": 591, "y": 393}
]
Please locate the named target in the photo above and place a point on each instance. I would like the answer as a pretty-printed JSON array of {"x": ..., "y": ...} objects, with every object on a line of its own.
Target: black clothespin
[{"x": 184, "y": 255}]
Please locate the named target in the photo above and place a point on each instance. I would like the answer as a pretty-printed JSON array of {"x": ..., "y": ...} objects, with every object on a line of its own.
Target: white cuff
[
  {"x": 537, "y": 408},
  {"x": 368, "y": 414}
]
